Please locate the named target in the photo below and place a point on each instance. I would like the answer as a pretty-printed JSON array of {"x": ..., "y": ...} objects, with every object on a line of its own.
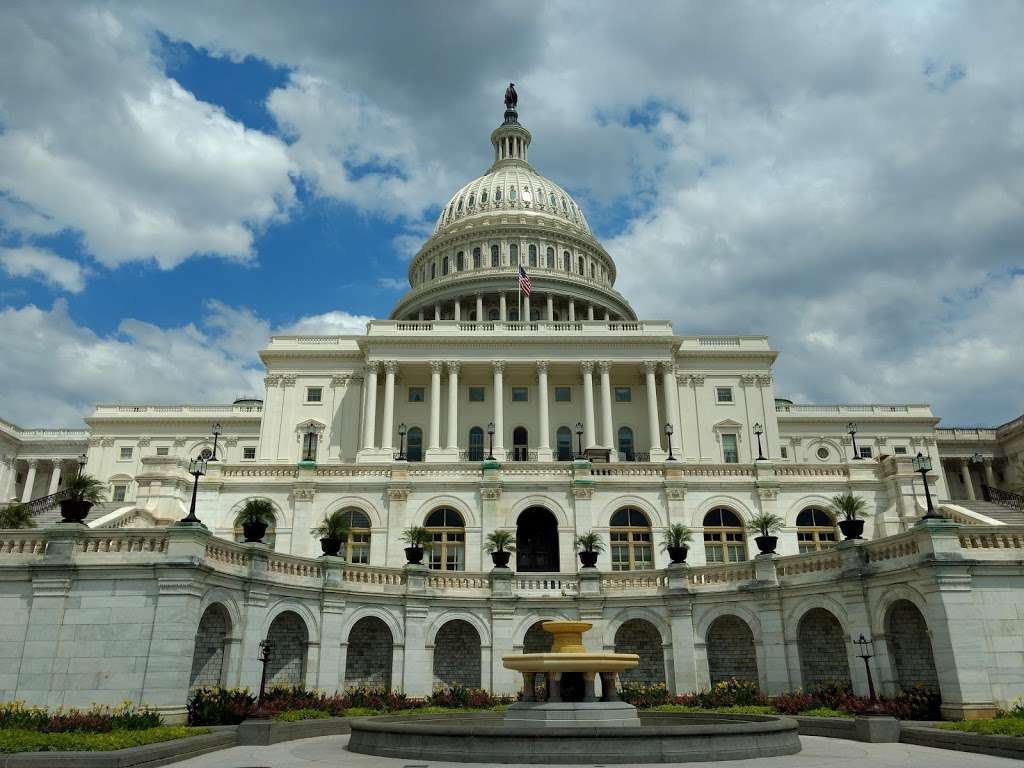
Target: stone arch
[
  {"x": 821, "y": 644},
  {"x": 910, "y": 646},
  {"x": 455, "y": 615},
  {"x": 731, "y": 651},
  {"x": 537, "y": 500},
  {"x": 227, "y": 602},
  {"x": 289, "y": 639},
  {"x": 209, "y": 654},
  {"x": 810, "y": 500},
  {"x": 742, "y": 510},
  {"x": 370, "y": 653},
  {"x": 280, "y": 517},
  {"x": 356, "y": 502},
  {"x": 469, "y": 516},
  {"x": 654, "y": 516},
  {"x": 641, "y": 637},
  {"x": 528, "y": 623},
  {"x": 392, "y": 622},
  {"x": 300, "y": 610},
  {"x": 457, "y": 654},
  {"x": 537, "y": 544},
  {"x": 837, "y": 451}
]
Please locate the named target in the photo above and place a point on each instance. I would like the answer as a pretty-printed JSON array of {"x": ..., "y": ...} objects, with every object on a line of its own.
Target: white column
[
  {"x": 965, "y": 476},
  {"x": 671, "y": 386},
  {"x": 480, "y": 308},
  {"x": 590, "y": 311},
  {"x": 420, "y": 318},
  {"x": 435, "y": 405},
  {"x": 607, "y": 431},
  {"x": 572, "y": 310},
  {"x": 30, "y": 479},
  {"x": 653, "y": 424},
  {"x": 499, "y": 408},
  {"x": 458, "y": 310},
  {"x": 7, "y": 477},
  {"x": 589, "y": 433},
  {"x": 502, "y": 308},
  {"x": 990, "y": 477},
  {"x": 453, "y": 405},
  {"x": 387, "y": 425},
  {"x": 544, "y": 426},
  {"x": 526, "y": 309},
  {"x": 370, "y": 417},
  {"x": 551, "y": 307},
  {"x": 54, "y": 478}
]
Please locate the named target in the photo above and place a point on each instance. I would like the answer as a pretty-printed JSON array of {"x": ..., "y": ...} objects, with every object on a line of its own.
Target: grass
[
  {"x": 826, "y": 712},
  {"x": 752, "y": 709},
  {"x": 21, "y": 740},
  {"x": 999, "y": 726}
]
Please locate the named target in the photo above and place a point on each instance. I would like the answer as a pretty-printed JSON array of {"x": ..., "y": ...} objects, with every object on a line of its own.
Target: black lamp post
[
  {"x": 668, "y": 439},
  {"x": 401, "y": 441},
  {"x": 82, "y": 459},
  {"x": 851, "y": 430},
  {"x": 579, "y": 438},
  {"x": 759, "y": 430},
  {"x": 196, "y": 468},
  {"x": 217, "y": 431},
  {"x": 923, "y": 464},
  {"x": 490, "y": 441},
  {"x": 865, "y": 648},
  {"x": 265, "y": 655}
]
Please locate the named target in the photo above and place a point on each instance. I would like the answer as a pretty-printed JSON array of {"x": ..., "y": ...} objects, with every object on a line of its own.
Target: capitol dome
[{"x": 508, "y": 219}]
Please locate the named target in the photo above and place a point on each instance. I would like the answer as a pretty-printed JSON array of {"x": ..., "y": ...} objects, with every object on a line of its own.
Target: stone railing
[
  {"x": 816, "y": 562},
  {"x": 544, "y": 584},
  {"x": 724, "y": 573},
  {"x": 898, "y": 547},
  {"x": 13, "y": 543},
  {"x": 817, "y": 471},
  {"x": 178, "y": 410},
  {"x": 852, "y": 410},
  {"x": 458, "y": 580},
  {"x": 964, "y": 434},
  {"x": 977, "y": 538},
  {"x": 294, "y": 566},
  {"x": 631, "y": 581},
  {"x": 374, "y": 578},
  {"x": 716, "y": 470},
  {"x": 510, "y": 328},
  {"x": 627, "y": 469},
  {"x": 122, "y": 541}
]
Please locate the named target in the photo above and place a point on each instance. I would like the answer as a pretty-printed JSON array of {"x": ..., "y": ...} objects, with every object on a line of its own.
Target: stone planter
[
  {"x": 254, "y": 532},
  {"x": 414, "y": 555},
  {"x": 331, "y": 546},
  {"x": 74, "y": 510},
  {"x": 766, "y": 544},
  {"x": 677, "y": 554},
  {"x": 588, "y": 559},
  {"x": 500, "y": 558},
  {"x": 852, "y": 529}
]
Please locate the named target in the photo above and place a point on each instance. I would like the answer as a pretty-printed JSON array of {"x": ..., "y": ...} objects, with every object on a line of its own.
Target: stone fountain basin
[{"x": 571, "y": 662}]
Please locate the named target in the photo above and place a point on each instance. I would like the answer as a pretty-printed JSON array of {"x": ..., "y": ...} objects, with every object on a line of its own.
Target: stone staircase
[
  {"x": 998, "y": 512},
  {"x": 50, "y": 514}
]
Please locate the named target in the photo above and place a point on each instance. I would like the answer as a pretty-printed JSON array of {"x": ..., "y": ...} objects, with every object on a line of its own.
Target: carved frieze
[
  {"x": 768, "y": 494},
  {"x": 144, "y": 441},
  {"x": 398, "y": 493},
  {"x": 582, "y": 492},
  {"x": 490, "y": 493},
  {"x": 304, "y": 492}
]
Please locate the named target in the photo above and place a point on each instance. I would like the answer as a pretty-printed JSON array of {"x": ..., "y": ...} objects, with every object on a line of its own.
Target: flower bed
[{"x": 25, "y": 740}]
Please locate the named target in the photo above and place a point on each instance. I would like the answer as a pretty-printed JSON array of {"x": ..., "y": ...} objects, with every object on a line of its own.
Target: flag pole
[{"x": 519, "y": 300}]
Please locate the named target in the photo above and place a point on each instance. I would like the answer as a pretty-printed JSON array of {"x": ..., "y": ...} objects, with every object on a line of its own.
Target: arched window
[
  {"x": 626, "y": 444},
  {"x": 483, "y": 197},
  {"x": 565, "y": 208},
  {"x": 513, "y": 315},
  {"x": 357, "y": 546},
  {"x": 563, "y": 441},
  {"x": 725, "y": 539},
  {"x": 513, "y": 255},
  {"x": 552, "y": 198},
  {"x": 566, "y": 261},
  {"x": 527, "y": 195},
  {"x": 458, "y": 208},
  {"x": 580, "y": 265},
  {"x": 497, "y": 194},
  {"x": 495, "y": 256},
  {"x": 472, "y": 200},
  {"x": 534, "y": 313},
  {"x": 630, "y": 538},
  {"x": 448, "y": 535},
  {"x": 414, "y": 444},
  {"x": 511, "y": 194},
  {"x": 433, "y": 271},
  {"x": 460, "y": 262},
  {"x": 476, "y": 258},
  {"x": 520, "y": 444},
  {"x": 444, "y": 266},
  {"x": 533, "y": 255},
  {"x": 815, "y": 530},
  {"x": 476, "y": 444},
  {"x": 551, "y": 258}
]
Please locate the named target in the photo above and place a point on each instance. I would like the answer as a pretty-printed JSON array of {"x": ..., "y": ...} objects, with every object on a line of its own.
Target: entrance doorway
[{"x": 537, "y": 541}]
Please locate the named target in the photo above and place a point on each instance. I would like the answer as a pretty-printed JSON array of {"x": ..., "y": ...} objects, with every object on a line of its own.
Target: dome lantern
[{"x": 511, "y": 140}]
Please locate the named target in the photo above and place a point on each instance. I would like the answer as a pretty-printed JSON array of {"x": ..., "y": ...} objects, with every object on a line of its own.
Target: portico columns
[
  {"x": 30, "y": 480},
  {"x": 965, "y": 476},
  {"x": 387, "y": 426},
  {"x": 670, "y": 384},
  {"x": 551, "y": 307},
  {"x": 437, "y": 311},
  {"x": 453, "y": 405},
  {"x": 435, "y": 405},
  {"x": 54, "y": 477},
  {"x": 502, "y": 308},
  {"x": 480, "y": 308},
  {"x": 544, "y": 427},
  {"x": 607, "y": 438},
  {"x": 499, "y": 409},
  {"x": 590, "y": 311},
  {"x": 990, "y": 476},
  {"x": 572, "y": 310},
  {"x": 370, "y": 417},
  {"x": 589, "y": 433},
  {"x": 526, "y": 309},
  {"x": 652, "y": 407},
  {"x": 458, "y": 309}
]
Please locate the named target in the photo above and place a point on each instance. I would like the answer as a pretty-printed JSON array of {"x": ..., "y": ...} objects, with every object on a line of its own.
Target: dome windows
[
  {"x": 472, "y": 201},
  {"x": 511, "y": 194},
  {"x": 565, "y": 208},
  {"x": 513, "y": 255},
  {"x": 552, "y": 199},
  {"x": 533, "y": 255},
  {"x": 527, "y": 195},
  {"x": 476, "y": 258},
  {"x": 497, "y": 194},
  {"x": 458, "y": 208},
  {"x": 444, "y": 266},
  {"x": 460, "y": 262},
  {"x": 483, "y": 197},
  {"x": 495, "y": 256},
  {"x": 551, "y": 258},
  {"x": 566, "y": 261}
]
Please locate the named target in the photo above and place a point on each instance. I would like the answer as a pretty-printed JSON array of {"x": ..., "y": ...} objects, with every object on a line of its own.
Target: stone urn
[
  {"x": 74, "y": 510},
  {"x": 331, "y": 546},
  {"x": 414, "y": 555},
  {"x": 677, "y": 555},
  {"x": 500, "y": 558},
  {"x": 852, "y": 529},
  {"x": 588, "y": 559},
  {"x": 766, "y": 544},
  {"x": 254, "y": 531}
]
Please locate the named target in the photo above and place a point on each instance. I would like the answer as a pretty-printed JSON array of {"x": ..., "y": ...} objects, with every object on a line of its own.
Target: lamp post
[
  {"x": 923, "y": 464},
  {"x": 579, "y": 438},
  {"x": 196, "y": 468},
  {"x": 668, "y": 439},
  {"x": 490, "y": 441},
  {"x": 401, "y": 441},
  {"x": 759, "y": 430},
  {"x": 266, "y": 654},
  {"x": 865, "y": 648},
  {"x": 82, "y": 459},
  {"x": 851, "y": 430},
  {"x": 217, "y": 431}
]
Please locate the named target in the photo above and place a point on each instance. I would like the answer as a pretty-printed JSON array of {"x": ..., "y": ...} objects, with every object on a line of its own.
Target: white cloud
[
  {"x": 393, "y": 284},
  {"x": 44, "y": 265},
  {"x": 328, "y": 324}
]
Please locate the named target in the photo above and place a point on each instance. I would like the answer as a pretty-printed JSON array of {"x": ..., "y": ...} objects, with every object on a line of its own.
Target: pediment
[{"x": 727, "y": 424}]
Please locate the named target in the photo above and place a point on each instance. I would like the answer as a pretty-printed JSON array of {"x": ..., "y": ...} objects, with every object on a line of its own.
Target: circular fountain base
[{"x": 661, "y": 738}]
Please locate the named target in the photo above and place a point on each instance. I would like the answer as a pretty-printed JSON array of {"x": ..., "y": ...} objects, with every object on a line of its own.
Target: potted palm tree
[
  {"x": 333, "y": 532},
  {"x": 83, "y": 491},
  {"x": 677, "y": 537},
  {"x": 766, "y": 524},
  {"x": 255, "y": 517},
  {"x": 418, "y": 539},
  {"x": 501, "y": 544},
  {"x": 850, "y": 507},
  {"x": 16, "y": 516},
  {"x": 588, "y": 545}
]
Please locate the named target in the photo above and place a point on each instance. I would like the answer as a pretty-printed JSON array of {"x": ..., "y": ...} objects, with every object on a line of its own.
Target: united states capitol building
[{"x": 473, "y": 408}]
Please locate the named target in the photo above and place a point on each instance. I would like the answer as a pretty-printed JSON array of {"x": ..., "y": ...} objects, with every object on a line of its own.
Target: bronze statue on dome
[{"x": 511, "y": 97}]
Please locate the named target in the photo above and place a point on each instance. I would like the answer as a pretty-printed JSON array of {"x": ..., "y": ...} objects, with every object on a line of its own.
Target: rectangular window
[
  {"x": 723, "y": 394},
  {"x": 476, "y": 394},
  {"x": 309, "y": 443},
  {"x": 416, "y": 395},
  {"x": 163, "y": 450},
  {"x": 730, "y": 452},
  {"x": 249, "y": 452},
  {"x": 314, "y": 394},
  {"x": 563, "y": 394},
  {"x": 126, "y": 452},
  {"x": 119, "y": 492},
  {"x": 900, "y": 450},
  {"x": 865, "y": 452},
  {"x": 784, "y": 452},
  {"x": 520, "y": 394},
  {"x": 623, "y": 395}
]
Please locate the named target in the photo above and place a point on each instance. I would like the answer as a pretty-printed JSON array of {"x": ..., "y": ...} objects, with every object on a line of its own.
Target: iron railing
[{"x": 1004, "y": 498}]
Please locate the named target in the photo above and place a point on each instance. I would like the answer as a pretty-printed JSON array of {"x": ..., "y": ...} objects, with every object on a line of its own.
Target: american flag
[{"x": 525, "y": 284}]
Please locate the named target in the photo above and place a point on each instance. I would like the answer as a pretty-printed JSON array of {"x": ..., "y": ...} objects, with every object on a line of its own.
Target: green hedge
[
  {"x": 1004, "y": 725},
  {"x": 22, "y": 740}
]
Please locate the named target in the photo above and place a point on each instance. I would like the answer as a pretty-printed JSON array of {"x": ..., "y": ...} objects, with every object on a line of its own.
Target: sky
[{"x": 180, "y": 180}]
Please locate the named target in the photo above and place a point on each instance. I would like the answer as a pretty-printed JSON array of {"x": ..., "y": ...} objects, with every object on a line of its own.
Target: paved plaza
[{"x": 817, "y": 751}]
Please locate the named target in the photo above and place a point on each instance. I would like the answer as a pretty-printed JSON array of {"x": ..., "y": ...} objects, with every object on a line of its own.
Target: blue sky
[{"x": 178, "y": 183}]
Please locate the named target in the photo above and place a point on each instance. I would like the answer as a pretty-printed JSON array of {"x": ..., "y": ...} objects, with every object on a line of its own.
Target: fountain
[{"x": 573, "y": 725}]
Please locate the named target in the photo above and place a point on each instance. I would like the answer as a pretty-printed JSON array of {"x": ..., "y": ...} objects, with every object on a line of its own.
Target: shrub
[
  {"x": 22, "y": 740},
  {"x": 461, "y": 697},
  {"x": 219, "y": 706},
  {"x": 916, "y": 704},
  {"x": 96, "y": 719},
  {"x": 645, "y": 695},
  {"x": 727, "y": 693},
  {"x": 824, "y": 712},
  {"x": 1005, "y": 725},
  {"x": 302, "y": 714},
  {"x": 376, "y": 698}
]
